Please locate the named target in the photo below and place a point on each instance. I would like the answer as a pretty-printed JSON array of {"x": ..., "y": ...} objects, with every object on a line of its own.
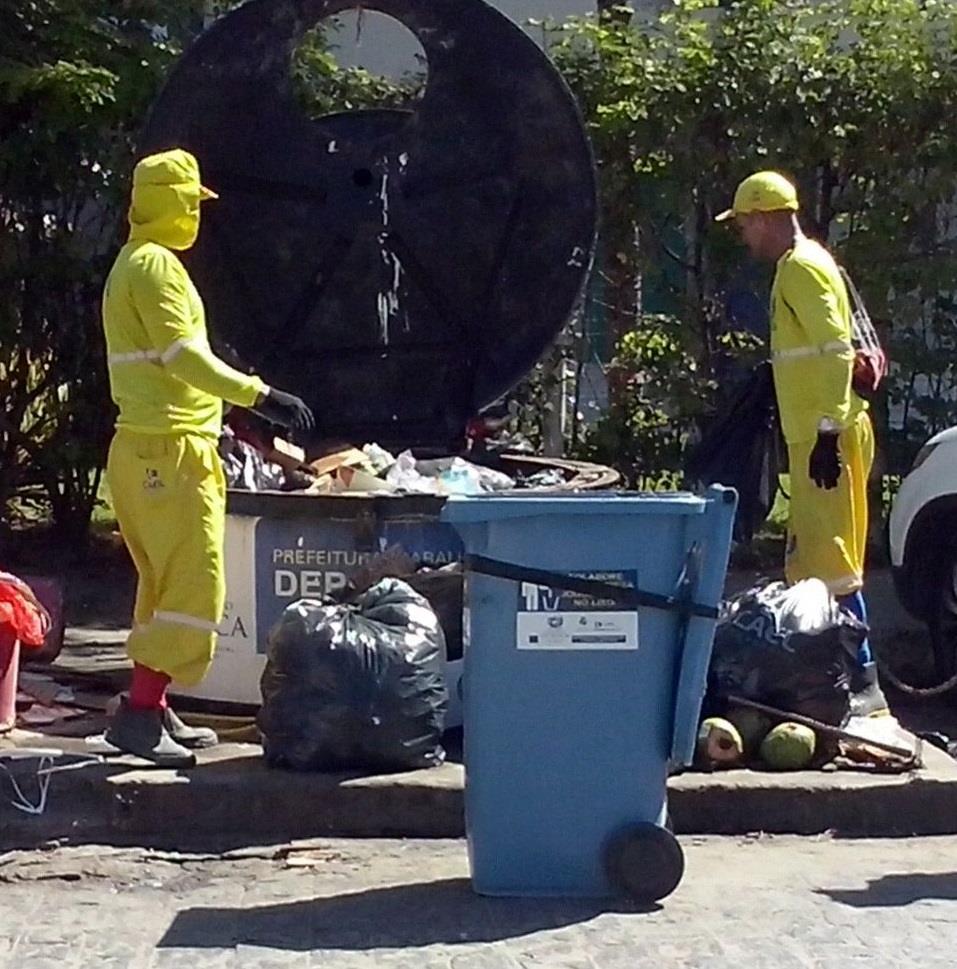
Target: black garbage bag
[
  {"x": 742, "y": 449},
  {"x": 770, "y": 648},
  {"x": 444, "y": 590},
  {"x": 356, "y": 686}
]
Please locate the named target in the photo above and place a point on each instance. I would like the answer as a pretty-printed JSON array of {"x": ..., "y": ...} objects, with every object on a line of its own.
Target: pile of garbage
[
  {"x": 356, "y": 680},
  {"x": 374, "y": 469},
  {"x": 276, "y": 465},
  {"x": 356, "y": 685},
  {"x": 779, "y": 687}
]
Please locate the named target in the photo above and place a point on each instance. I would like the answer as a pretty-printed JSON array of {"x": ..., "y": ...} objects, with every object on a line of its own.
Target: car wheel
[{"x": 943, "y": 619}]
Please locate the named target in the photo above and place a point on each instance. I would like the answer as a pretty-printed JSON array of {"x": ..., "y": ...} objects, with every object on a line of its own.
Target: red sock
[{"x": 148, "y": 688}]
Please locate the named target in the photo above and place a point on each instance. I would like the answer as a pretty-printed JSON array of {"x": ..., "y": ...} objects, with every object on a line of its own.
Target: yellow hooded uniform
[
  {"x": 164, "y": 471},
  {"x": 813, "y": 360}
]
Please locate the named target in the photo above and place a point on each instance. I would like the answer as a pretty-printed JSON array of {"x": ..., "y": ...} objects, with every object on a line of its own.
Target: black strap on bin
[{"x": 623, "y": 595}]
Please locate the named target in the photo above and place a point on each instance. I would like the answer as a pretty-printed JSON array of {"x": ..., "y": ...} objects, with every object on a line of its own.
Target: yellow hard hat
[{"x": 762, "y": 192}]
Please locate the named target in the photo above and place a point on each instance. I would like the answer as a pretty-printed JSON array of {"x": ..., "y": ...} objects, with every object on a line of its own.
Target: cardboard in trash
[
  {"x": 348, "y": 458},
  {"x": 348, "y": 480},
  {"x": 290, "y": 457},
  {"x": 358, "y": 481}
]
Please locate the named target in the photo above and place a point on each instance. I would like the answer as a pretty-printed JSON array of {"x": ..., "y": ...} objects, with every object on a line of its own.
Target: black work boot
[
  {"x": 194, "y": 738},
  {"x": 142, "y": 732},
  {"x": 867, "y": 698}
]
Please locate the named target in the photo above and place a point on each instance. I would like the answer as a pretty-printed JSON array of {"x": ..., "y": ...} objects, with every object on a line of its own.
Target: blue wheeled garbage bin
[{"x": 589, "y": 628}]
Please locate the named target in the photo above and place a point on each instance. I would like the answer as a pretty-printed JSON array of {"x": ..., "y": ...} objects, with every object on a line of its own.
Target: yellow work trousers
[
  {"x": 169, "y": 495},
  {"x": 827, "y": 531}
]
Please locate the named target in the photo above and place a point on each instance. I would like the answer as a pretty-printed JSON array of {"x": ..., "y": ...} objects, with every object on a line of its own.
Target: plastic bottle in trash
[{"x": 460, "y": 479}]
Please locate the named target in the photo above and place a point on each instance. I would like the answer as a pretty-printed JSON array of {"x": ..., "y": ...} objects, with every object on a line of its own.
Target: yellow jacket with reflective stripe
[
  {"x": 163, "y": 376},
  {"x": 811, "y": 349}
]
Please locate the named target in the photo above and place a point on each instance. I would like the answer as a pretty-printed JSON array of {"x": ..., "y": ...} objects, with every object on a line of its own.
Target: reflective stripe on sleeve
[
  {"x": 152, "y": 356},
  {"x": 136, "y": 356},
  {"x": 796, "y": 353},
  {"x": 175, "y": 348},
  {"x": 182, "y": 619}
]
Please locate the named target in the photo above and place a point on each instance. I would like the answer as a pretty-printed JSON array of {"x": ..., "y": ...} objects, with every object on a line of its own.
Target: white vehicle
[{"x": 923, "y": 545}]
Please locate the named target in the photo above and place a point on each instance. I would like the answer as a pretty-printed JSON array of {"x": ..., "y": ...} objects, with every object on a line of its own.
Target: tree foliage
[
  {"x": 324, "y": 86},
  {"x": 77, "y": 78},
  {"x": 853, "y": 99}
]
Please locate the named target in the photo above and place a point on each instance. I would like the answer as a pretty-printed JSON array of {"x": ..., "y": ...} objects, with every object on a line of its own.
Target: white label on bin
[{"x": 554, "y": 619}]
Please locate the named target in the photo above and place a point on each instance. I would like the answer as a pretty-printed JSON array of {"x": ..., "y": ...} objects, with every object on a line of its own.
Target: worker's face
[{"x": 755, "y": 229}]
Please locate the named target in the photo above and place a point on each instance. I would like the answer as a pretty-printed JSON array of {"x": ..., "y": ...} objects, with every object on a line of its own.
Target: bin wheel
[{"x": 644, "y": 862}]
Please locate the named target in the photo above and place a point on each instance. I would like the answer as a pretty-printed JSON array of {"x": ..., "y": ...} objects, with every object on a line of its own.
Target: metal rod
[{"x": 827, "y": 729}]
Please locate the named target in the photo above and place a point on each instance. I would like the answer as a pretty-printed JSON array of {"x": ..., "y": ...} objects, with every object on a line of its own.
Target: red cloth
[
  {"x": 249, "y": 428},
  {"x": 148, "y": 688},
  {"x": 21, "y": 612}
]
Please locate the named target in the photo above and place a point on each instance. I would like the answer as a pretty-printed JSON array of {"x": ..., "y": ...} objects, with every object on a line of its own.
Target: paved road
[{"x": 782, "y": 903}]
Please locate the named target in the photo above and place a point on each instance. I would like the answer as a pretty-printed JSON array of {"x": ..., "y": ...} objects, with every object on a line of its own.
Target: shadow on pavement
[
  {"x": 397, "y": 917},
  {"x": 896, "y": 891}
]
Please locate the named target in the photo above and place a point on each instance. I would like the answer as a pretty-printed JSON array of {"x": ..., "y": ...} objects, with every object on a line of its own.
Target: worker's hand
[
  {"x": 824, "y": 467},
  {"x": 285, "y": 409}
]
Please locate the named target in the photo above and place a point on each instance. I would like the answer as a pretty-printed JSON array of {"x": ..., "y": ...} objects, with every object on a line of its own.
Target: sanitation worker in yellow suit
[
  {"x": 828, "y": 432},
  {"x": 164, "y": 471}
]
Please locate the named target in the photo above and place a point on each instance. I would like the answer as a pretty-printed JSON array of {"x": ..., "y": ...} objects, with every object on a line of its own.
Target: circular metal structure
[{"x": 399, "y": 269}]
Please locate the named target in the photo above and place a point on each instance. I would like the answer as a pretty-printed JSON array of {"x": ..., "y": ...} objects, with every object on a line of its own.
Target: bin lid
[
  {"x": 400, "y": 270},
  {"x": 461, "y": 509}
]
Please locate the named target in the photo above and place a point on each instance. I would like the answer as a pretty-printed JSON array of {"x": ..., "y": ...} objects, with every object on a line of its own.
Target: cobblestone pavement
[{"x": 781, "y": 903}]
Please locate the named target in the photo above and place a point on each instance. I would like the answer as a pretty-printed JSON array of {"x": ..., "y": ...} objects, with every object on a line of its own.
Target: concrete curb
[
  {"x": 233, "y": 800},
  {"x": 849, "y": 803}
]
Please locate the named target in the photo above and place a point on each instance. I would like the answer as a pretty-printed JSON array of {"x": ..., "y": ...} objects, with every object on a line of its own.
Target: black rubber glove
[
  {"x": 285, "y": 409},
  {"x": 824, "y": 467}
]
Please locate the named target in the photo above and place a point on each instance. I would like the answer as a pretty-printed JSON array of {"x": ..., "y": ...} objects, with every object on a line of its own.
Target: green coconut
[
  {"x": 789, "y": 746},
  {"x": 719, "y": 743},
  {"x": 753, "y": 726}
]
